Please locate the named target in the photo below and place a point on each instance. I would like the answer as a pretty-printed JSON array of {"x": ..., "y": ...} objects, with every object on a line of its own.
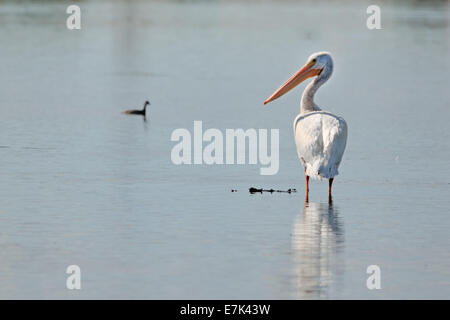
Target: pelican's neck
[{"x": 307, "y": 103}]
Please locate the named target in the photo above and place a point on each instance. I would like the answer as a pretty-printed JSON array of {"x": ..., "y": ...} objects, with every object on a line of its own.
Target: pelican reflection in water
[{"x": 317, "y": 243}]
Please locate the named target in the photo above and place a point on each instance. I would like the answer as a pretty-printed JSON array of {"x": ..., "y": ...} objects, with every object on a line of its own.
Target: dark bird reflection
[{"x": 317, "y": 243}]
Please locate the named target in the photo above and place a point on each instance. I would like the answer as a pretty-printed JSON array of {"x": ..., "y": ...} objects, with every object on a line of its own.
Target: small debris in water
[
  {"x": 233, "y": 190},
  {"x": 256, "y": 190}
]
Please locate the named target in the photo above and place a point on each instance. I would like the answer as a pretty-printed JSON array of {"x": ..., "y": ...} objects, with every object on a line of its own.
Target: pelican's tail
[{"x": 320, "y": 170}]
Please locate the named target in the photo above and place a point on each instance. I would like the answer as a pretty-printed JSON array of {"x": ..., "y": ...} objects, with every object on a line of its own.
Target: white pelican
[{"x": 320, "y": 136}]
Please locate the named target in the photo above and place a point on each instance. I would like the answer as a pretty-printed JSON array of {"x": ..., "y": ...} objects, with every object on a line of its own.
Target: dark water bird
[{"x": 138, "y": 112}]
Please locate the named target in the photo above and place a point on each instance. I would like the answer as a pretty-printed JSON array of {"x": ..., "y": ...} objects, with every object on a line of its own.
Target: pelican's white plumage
[{"x": 320, "y": 136}]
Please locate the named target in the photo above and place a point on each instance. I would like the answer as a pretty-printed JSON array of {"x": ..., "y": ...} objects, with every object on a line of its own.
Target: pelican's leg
[
  {"x": 307, "y": 187},
  {"x": 330, "y": 183}
]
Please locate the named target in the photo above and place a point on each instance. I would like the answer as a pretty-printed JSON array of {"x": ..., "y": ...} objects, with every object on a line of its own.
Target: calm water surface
[{"x": 81, "y": 183}]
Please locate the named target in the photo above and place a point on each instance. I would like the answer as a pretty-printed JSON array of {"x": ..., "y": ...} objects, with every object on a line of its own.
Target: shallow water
[{"x": 81, "y": 183}]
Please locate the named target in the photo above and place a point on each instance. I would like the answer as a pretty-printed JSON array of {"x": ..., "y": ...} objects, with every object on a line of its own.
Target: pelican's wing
[{"x": 321, "y": 138}]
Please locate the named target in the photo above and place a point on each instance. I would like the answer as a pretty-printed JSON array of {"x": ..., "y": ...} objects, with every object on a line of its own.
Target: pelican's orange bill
[{"x": 304, "y": 73}]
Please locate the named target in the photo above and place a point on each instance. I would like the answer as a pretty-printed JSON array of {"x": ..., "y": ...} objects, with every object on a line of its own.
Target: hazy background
[{"x": 81, "y": 183}]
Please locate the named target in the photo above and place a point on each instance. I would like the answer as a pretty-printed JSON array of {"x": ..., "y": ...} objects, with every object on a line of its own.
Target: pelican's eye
[{"x": 314, "y": 61}]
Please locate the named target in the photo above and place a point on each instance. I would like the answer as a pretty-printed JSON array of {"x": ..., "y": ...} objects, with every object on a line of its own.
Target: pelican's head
[{"x": 318, "y": 64}]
